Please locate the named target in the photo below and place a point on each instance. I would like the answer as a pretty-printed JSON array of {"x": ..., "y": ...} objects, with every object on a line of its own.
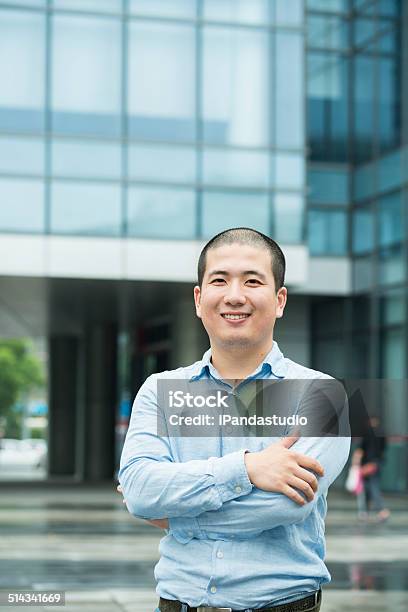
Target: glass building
[{"x": 133, "y": 130}]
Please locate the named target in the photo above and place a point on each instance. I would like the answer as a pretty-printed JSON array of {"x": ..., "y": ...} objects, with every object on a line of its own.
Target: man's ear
[
  {"x": 281, "y": 298},
  {"x": 197, "y": 299}
]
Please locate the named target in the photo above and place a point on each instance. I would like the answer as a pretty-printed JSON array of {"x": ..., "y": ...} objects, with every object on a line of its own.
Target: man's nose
[{"x": 234, "y": 295}]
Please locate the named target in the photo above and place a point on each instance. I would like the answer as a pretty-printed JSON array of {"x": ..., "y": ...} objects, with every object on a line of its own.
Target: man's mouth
[{"x": 235, "y": 317}]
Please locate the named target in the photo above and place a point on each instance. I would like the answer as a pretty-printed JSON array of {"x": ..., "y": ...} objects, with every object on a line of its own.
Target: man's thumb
[{"x": 288, "y": 441}]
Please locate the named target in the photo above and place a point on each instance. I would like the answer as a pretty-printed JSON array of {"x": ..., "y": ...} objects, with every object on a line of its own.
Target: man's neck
[{"x": 235, "y": 365}]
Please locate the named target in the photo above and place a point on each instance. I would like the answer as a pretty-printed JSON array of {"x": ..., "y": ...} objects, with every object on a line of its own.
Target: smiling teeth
[{"x": 233, "y": 317}]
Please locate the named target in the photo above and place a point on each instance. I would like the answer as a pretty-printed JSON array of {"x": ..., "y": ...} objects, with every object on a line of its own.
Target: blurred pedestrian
[{"x": 370, "y": 456}]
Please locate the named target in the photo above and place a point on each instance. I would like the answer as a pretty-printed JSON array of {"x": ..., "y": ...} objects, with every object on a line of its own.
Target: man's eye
[
  {"x": 253, "y": 280},
  {"x": 218, "y": 280}
]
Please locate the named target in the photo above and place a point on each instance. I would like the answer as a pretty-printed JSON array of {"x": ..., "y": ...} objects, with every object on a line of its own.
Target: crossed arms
[{"x": 223, "y": 497}]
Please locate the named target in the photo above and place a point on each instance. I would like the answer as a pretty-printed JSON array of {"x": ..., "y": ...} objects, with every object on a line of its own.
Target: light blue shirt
[{"x": 229, "y": 543}]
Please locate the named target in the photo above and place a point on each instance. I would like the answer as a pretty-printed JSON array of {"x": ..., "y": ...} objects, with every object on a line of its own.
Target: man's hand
[
  {"x": 281, "y": 470},
  {"x": 159, "y": 523}
]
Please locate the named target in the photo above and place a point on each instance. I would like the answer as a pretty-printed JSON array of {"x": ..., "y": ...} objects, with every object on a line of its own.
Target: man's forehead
[{"x": 238, "y": 257}]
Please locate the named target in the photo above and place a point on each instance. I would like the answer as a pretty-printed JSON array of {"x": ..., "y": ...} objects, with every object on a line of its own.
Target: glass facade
[{"x": 152, "y": 119}]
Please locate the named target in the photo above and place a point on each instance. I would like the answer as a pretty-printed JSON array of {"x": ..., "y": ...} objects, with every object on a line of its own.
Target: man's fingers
[
  {"x": 309, "y": 477},
  {"x": 288, "y": 441},
  {"x": 302, "y": 486},
  {"x": 309, "y": 463},
  {"x": 294, "y": 495}
]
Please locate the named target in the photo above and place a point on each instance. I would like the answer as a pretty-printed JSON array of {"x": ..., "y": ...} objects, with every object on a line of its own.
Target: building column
[
  {"x": 100, "y": 401},
  {"x": 189, "y": 339},
  {"x": 63, "y": 389}
]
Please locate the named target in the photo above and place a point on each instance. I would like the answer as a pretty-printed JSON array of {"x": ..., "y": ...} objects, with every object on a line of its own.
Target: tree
[{"x": 20, "y": 372}]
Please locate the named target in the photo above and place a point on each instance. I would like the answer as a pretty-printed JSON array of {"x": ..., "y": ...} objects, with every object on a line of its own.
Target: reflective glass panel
[
  {"x": 332, "y": 6},
  {"x": 389, "y": 99},
  {"x": 391, "y": 266},
  {"x": 390, "y": 219},
  {"x": 85, "y": 209},
  {"x": 162, "y": 163},
  {"x": 363, "y": 31},
  {"x": 390, "y": 171},
  {"x": 86, "y": 159},
  {"x": 363, "y": 230},
  {"x": 327, "y": 103},
  {"x": 238, "y": 11},
  {"x": 393, "y": 362},
  {"x": 86, "y": 75},
  {"x": 363, "y": 273},
  {"x": 289, "y": 13},
  {"x": 22, "y": 205},
  {"x": 222, "y": 210},
  {"x": 327, "y": 232},
  {"x": 21, "y": 155},
  {"x": 245, "y": 168},
  {"x": 22, "y": 70},
  {"x": 235, "y": 87},
  {"x": 161, "y": 96},
  {"x": 161, "y": 213},
  {"x": 288, "y": 218},
  {"x": 327, "y": 31},
  {"x": 289, "y": 170},
  {"x": 164, "y": 8},
  {"x": 364, "y": 181},
  {"x": 328, "y": 186},
  {"x": 392, "y": 308},
  {"x": 100, "y": 6},
  {"x": 289, "y": 128},
  {"x": 363, "y": 107}
]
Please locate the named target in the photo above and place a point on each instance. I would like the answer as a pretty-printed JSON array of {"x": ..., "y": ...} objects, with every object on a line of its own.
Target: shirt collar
[{"x": 274, "y": 363}]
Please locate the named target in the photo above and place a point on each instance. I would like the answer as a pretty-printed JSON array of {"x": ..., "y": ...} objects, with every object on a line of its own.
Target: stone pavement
[{"x": 83, "y": 541}]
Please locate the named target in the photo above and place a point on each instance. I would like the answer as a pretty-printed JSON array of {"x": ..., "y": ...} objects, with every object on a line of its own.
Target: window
[
  {"x": 163, "y": 8},
  {"x": 222, "y": 210},
  {"x": 239, "y": 11},
  {"x": 89, "y": 209},
  {"x": 91, "y": 159},
  {"x": 327, "y": 186},
  {"x": 363, "y": 230},
  {"x": 161, "y": 97},
  {"x": 390, "y": 220},
  {"x": 162, "y": 163},
  {"x": 288, "y": 218},
  {"x": 327, "y": 232},
  {"x": 243, "y": 168},
  {"x": 161, "y": 213},
  {"x": 21, "y": 155},
  {"x": 22, "y": 71},
  {"x": 22, "y": 205},
  {"x": 235, "y": 87},
  {"x": 86, "y": 75},
  {"x": 289, "y": 127},
  {"x": 289, "y": 171}
]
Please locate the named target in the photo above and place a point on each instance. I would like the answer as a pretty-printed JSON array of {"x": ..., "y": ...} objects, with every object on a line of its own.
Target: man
[{"x": 244, "y": 517}]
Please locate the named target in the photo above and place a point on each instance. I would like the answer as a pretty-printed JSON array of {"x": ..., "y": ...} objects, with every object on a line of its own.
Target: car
[{"x": 21, "y": 454}]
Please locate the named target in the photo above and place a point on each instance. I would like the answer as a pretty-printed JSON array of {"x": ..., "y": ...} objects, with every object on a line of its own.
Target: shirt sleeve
[
  {"x": 259, "y": 511},
  {"x": 155, "y": 486}
]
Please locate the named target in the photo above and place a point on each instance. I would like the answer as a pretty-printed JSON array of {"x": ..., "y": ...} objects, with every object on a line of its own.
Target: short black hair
[{"x": 249, "y": 236}]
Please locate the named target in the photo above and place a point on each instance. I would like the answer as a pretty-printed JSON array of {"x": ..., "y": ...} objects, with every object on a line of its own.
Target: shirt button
[
  {"x": 190, "y": 533},
  {"x": 220, "y": 554},
  {"x": 238, "y": 490},
  {"x": 213, "y": 589}
]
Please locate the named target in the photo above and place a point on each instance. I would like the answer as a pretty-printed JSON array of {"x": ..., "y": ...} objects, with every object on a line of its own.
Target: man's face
[{"x": 237, "y": 302}]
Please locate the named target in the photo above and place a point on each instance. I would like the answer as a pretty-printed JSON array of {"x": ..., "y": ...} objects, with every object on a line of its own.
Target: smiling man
[{"x": 244, "y": 515}]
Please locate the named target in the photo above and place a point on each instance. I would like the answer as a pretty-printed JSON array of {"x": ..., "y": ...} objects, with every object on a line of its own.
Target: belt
[{"x": 300, "y": 605}]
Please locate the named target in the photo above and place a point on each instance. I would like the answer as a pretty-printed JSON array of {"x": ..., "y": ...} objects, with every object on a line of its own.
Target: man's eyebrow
[{"x": 246, "y": 273}]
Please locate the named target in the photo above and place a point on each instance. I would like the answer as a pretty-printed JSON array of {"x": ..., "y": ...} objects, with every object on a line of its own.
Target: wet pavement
[{"x": 83, "y": 541}]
